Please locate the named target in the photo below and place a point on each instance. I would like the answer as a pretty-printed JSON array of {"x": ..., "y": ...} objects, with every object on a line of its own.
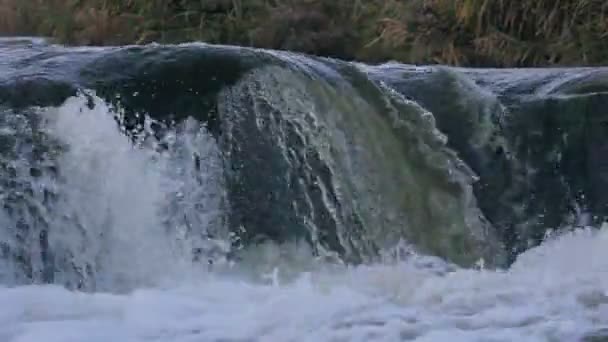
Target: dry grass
[
  {"x": 67, "y": 21},
  {"x": 456, "y": 32},
  {"x": 538, "y": 32},
  {"x": 500, "y": 32}
]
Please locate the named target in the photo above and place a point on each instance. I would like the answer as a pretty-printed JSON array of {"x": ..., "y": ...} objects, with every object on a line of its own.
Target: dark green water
[{"x": 352, "y": 159}]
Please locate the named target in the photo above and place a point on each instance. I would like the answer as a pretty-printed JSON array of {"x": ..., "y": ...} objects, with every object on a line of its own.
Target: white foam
[
  {"x": 123, "y": 214},
  {"x": 556, "y": 292}
]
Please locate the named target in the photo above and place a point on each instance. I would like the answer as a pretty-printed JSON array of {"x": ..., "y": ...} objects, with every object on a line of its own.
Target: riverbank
[{"x": 505, "y": 33}]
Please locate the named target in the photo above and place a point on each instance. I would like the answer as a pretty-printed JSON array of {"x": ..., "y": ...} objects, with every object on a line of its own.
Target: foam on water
[{"x": 556, "y": 292}]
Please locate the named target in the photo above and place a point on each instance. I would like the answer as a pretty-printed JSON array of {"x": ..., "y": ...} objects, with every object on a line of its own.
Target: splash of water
[
  {"x": 122, "y": 212},
  {"x": 555, "y": 292}
]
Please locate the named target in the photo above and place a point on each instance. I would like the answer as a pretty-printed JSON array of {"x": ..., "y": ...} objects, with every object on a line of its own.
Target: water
[
  {"x": 556, "y": 292},
  {"x": 203, "y": 193}
]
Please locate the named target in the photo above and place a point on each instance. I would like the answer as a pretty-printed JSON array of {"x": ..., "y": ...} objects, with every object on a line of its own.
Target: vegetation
[{"x": 456, "y": 32}]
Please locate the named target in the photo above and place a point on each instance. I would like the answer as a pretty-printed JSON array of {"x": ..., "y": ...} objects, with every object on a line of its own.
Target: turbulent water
[{"x": 209, "y": 193}]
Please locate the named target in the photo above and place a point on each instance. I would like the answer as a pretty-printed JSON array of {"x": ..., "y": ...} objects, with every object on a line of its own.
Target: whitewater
[
  {"x": 556, "y": 292},
  {"x": 154, "y": 292}
]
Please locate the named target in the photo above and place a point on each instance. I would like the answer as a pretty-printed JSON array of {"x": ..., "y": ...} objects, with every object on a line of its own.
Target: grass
[{"x": 455, "y": 32}]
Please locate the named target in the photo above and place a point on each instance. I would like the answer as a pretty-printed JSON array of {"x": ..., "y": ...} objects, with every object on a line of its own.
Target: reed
[{"x": 455, "y": 32}]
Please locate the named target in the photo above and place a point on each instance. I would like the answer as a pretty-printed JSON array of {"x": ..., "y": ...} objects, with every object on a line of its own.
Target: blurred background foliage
[{"x": 499, "y": 33}]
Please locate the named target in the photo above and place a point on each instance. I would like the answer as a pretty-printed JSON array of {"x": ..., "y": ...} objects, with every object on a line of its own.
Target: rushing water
[
  {"x": 205, "y": 193},
  {"x": 556, "y": 292}
]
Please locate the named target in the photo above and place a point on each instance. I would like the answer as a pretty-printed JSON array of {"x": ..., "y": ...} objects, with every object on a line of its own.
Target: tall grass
[
  {"x": 456, "y": 32},
  {"x": 538, "y": 32}
]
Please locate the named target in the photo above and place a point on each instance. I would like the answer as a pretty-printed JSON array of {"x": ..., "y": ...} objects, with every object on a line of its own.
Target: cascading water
[
  {"x": 207, "y": 193},
  {"x": 95, "y": 211}
]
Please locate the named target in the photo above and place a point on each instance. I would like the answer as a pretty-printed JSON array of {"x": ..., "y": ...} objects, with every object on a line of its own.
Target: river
[{"x": 215, "y": 193}]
